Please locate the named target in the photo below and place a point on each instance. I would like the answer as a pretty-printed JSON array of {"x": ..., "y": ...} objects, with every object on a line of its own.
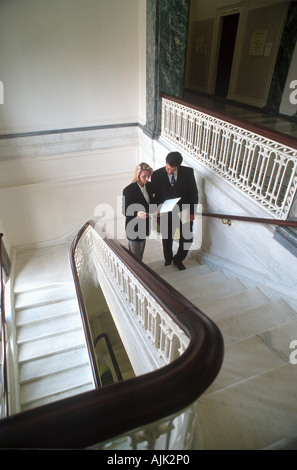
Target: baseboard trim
[{"x": 68, "y": 130}]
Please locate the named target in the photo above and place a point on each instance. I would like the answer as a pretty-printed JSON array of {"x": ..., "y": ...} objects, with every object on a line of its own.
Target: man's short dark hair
[{"x": 174, "y": 159}]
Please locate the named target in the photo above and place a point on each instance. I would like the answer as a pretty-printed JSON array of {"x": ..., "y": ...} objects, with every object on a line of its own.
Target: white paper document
[
  {"x": 168, "y": 205},
  {"x": 184, "y": 215}
]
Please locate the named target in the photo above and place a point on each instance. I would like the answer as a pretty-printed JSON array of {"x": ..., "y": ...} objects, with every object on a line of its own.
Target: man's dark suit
[
  {"x": 185, "y": 188},
  {"x": 133, "y": 201}
]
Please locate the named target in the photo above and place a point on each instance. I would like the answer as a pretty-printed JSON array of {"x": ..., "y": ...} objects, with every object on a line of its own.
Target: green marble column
[
  {"x": 167, "y": 29},
  {"x": 283, "y": 61},
  {"x": 173, "y": 40}
]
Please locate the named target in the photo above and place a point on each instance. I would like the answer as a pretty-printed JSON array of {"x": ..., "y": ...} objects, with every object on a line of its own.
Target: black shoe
[
  {"x": 167, "y": 263},
  {"x": 180, "y": 265}
]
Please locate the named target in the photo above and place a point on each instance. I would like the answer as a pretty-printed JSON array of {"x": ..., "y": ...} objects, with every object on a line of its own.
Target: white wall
[
  {"x": 51, "y": 185},
  {"x": 68, "y": 64},
  {"x": 71, "y": 63}
]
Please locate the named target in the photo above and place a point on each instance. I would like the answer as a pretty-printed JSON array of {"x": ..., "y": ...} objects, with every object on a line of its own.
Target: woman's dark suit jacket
[{"x": 133, "y": 201}]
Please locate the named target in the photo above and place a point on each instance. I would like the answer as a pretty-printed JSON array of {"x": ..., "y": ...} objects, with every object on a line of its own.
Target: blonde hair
[{"x": 141, "y": 167}]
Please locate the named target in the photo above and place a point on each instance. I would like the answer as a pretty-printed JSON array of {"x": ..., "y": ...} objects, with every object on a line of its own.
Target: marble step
[
  {"x": 161, "y": 269},
  {"x": 252, "y": 414},
  {"x": 202, "y": 285},
  {"x": 57, "y": 396},
  {"x": 49, "y": 365},
  {"x": 184, "y": 276},
  {"x": 249, "y": 405},
  {"x": 60, "y": 382},
  {"x": 48, "y": 346},
  {"x": 211, "y": 289},
  {"x": 231, "y": 304},
  {"x": 255, "y": 320},
  {"x": 255, "y": 355},
  {"x": 44, "y": 295},
  {"x": 31, "y": 315},
  {"x": 48, "y": 327}
]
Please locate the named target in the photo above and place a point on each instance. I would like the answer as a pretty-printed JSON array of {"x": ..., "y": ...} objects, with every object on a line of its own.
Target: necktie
[{"x": 172, "y": 180}]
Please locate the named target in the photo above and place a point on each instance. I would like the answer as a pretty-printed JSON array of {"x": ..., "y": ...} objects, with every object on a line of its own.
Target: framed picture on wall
[{"x": 258, "y": 41}]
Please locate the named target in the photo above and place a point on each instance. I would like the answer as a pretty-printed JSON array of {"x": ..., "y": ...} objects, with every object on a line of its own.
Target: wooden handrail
[
  {"x": 3, "y": 332},
  {"x": 83, "y": 314},
  {"x": 257, "y": 220},
  {"x": 102, "y": 414}
]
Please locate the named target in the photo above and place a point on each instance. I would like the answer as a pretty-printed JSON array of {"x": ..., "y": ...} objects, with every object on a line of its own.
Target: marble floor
[{"x": 285, "y": 125}]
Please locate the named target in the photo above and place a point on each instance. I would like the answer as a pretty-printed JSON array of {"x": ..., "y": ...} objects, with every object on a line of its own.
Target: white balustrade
[
  {"x": 164, "y": 335},
  {"x": 263, "y": 169}
]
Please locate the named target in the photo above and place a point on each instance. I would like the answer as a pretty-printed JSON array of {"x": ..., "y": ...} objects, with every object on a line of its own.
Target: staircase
[
  {"x": 52, "y": 358},
  {"x": 252, "y": 403}
]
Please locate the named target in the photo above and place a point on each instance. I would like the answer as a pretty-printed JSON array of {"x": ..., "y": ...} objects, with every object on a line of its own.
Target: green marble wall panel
[
  {"x": 166, "y": 36},
  {"x": 152, "y": 65},
  {"x": 173, "y": 41},
  {"x": 283, "y": 61}
]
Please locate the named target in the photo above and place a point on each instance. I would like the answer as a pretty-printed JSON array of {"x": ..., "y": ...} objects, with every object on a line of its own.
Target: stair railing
[
  {"x": 227, "y": 219},
  {"x": 143, "y": 408},
  {"x": 260, "y": 163},
  {"x": 111, "y": 355},
  {"x": 4, "y": 377}
]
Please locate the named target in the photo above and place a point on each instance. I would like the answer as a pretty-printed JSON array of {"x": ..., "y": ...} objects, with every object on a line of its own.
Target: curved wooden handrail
[
  {"x": 3, "y": 333},
  {"x": 271, "y": 134},
  {"x": 89, "y": 339},
  {"x": 257, "y": 220},
  {"x": 102, "y": 414}
]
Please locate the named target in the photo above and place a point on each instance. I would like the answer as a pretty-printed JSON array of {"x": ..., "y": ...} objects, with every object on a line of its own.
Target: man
[{"x": 183, "y": 186}]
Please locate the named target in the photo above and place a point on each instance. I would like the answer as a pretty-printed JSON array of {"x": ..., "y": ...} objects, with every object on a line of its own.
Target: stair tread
[
  {"x": 47, "y": 346},
  {"x": 251, "y": 414},
  {"x": 52, "y": 364},
  {"x": 232, "y": 304},
  {"x": 186, "y": 275},
  {"x": 42, "y": 312},
  {"x": 159, "y": 267},
  {"x": 57, "y": 383},
  {"x": 205, "y": 293},
  {"x": 255, "y": 355},
  {"x": 58, "y": 396},
  {"x": 44, "y": 295},
  {"x": 48, "y": 327},
  {"x": 255, "y": 320}
]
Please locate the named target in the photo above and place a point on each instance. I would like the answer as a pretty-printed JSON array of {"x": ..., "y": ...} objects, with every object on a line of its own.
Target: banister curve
[{"x": 102, "y": 414}]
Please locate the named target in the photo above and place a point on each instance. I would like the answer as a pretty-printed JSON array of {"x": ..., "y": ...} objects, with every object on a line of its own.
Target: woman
[{"x": 136, "y": 199}]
